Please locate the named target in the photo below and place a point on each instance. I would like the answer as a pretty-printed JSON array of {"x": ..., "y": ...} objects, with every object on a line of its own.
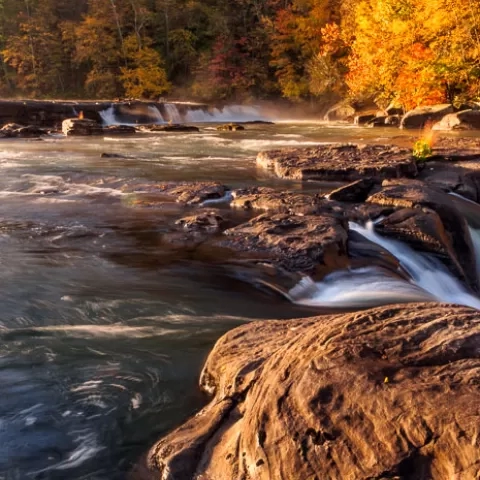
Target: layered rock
[
  {"x": 421, "y": 116},
  {"x": 14, "y": 130},
  {"x": 81, "y": 127},
  {"x": 339, "y": 162},
  {"x": 390, "y": 392},
  {"x": 463, "y": 120}
]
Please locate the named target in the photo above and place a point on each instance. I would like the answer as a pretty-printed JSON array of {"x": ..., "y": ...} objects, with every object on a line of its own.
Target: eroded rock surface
[
  {"x": 339, "y": 162},
  {"x": 391, "y": 392}
]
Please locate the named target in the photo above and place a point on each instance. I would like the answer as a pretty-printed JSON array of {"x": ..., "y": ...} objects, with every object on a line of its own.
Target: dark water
[{"x": 104, "y": 330}]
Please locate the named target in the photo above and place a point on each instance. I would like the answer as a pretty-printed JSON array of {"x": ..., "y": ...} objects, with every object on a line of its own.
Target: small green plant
[{"x": 422, "y": 150}]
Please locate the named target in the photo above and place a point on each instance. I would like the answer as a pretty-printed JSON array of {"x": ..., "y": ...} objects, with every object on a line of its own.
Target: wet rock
[
  {"x": 230, "y": 127},
  {"x": 464, "y": 120},
  {"x": 384, "y": 393},
  {"x": 456, "y": 240},
  {"x": 311, "y": 244},
  {"x": 257, "y": 122},
  {"x": 340, "y": 111},
  {"x": 339, "y": 162},
  {"x": 355, "y": 192},
  {"x": 393, "y": 120},
  {"x": 81, "y": 127},
  {"x": 188, "y": 193},
  {"x": 377, "y": 122},
  {"x": 363, "y": 119},
  {"x": 170, "y": 128},
  {"x": 393, "y": 109},
  {"x": 205, "y": 222},
  {"x": 119, "y": 130},
  {"x": 112, "y": 155},
  {"x": 14, "y": 130},
  {"x": 421, "y": 116},
  {"x": 264, "y": 198}
]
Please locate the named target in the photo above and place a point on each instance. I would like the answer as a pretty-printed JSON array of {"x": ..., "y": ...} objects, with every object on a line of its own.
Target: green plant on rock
[{"x": 422, "y": 150}]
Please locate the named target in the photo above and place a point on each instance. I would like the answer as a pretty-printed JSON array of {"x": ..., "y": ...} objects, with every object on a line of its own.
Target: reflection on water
[{"x": 102, "y": 333}]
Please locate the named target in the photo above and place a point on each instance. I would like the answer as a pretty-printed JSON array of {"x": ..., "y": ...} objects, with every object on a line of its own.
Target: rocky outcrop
[
  {"x": 313, "y": 244},
  {"x": 390, "y": 392},
  {"x": 421, "y": 116},
  {"x": 169, "y": 128},
  {"x": 119, "y": 130},
  {"x": 355, "y": 192},
  {"x": 464, "y": 120},
  {"x": 339, "y": 162},
  {"x": 81, "y": 127},
  {"x": 363, "y": 119},
  {"x": 14, "y": 130},
  {"x": 340, "y": 111}
]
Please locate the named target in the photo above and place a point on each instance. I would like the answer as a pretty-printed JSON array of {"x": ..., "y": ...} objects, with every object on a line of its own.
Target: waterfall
[
  {"x": 109, "y": 117},
  {"x": 155, "y": 114},
  {"x": 371, "y": 286},
  {"x": 173, "y": 115},
  {"x": 229, "y": 113}
]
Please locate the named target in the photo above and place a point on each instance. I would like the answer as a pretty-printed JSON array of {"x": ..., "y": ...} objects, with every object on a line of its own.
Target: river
[{"x": 103, "y": 333}]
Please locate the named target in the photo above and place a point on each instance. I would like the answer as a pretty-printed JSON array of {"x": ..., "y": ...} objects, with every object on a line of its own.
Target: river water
[{"x": 104, "y": 332}]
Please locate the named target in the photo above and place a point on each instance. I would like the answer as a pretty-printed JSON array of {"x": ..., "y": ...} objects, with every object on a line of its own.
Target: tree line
[{"x": 407, "y": 51}]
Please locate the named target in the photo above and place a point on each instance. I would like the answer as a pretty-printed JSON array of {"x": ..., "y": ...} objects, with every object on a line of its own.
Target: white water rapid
[{"x": 365, "y": 287}]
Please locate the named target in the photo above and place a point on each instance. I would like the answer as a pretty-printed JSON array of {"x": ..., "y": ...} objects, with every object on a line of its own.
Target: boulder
[
  {"x": 394, "y": 109},
  {"x": 393, "y": 120},
  {"x": 377, "y": 122},
  {"x": 204, "y": 222},
  {"x": 170, "y": 128},
  {"x": 340, "y": 111},
  {"x": 339, "y": 162},
  {"x": 230, "y": 127},
  {"x": 14, "y": 130},
  {"x": 81, "y": 127},
  {"x": 313, "y": 244},
  {"x": 421, "y": 116},
  {"x": 390, "y": 392},
  {"x": 464, "y": 120}
]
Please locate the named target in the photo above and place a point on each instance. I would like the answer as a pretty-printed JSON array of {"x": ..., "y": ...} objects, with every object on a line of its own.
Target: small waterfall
[
  {"x": 173, "y": 115},
  {"x": 109, "y": 117},
  {"x": 371, "y": 286},
  {"x": 232, "y": 113},
  {"x": 155, "y": 114}
]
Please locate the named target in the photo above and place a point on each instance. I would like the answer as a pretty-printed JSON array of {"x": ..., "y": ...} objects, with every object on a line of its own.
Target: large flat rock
[
  {"x": 391, "y": 392},
  {"x": 339, "y": 162}
]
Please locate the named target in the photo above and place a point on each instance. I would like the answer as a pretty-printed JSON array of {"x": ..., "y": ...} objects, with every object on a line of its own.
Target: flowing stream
[{"x": 104, "y": 328}]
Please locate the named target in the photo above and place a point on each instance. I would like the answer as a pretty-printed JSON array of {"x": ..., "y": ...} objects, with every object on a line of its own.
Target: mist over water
[{"x": 103, "y": 329}]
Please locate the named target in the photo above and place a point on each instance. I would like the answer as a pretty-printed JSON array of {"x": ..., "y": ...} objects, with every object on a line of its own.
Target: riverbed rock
[
  {"x": 363, "y": 119},
  {"x": 119, "y": 130},
  {"x": 81, "y": 127},
  {"x": 170, "y": 128},
  {"x": 390, "y": 392},
  {"x": 230, "y": 127},
  {"x": 355, "y": 192},
  {"x": 417, "y": 195},
  {"x": 340, "y": 111},
  {"x": 313, "y": 244},
  {"x": 204, "y": 222},
  {"x": 339, "y": 162},
  {"x": 14, "y": 130},
  {"x": 464, "y": 120},
  {"x": 421, "y": 116}
]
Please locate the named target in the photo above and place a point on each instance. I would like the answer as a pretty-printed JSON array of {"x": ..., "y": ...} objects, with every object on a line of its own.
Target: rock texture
[
  {"x": 391, "y": 392},
  {"x": 339, "y": 162},
  {"x": 421, "y": 116},
  {"x": 81, "y": 127},
  {"x": 13, "y": 130},
  {"x": 464, "y": 120}
]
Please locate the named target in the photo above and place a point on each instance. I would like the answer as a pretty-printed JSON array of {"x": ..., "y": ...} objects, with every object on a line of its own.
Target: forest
[{"x": 410, "y": 52}]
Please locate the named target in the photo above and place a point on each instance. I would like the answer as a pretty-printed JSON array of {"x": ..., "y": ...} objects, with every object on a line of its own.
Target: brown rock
[
  {"x": 339, "y": 162},
  {"x": 390, "y": 392},
  {"x": 464, "y": 120},
  {"x": 312, "y": 244},
  {"x": 353, "y": 192},
  {"x": 81, "y": 127},
  {"x": 119, "y": 130},
  {"x": 230, "y": 127},
  {"x": 421, "y": 116},
  {"x": 170, "y": 128}
]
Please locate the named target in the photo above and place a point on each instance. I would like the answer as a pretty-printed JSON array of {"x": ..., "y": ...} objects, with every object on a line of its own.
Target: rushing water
[{"x": 103, "y": 329}]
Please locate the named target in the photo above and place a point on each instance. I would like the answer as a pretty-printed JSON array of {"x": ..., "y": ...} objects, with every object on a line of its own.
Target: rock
[
  {"x": 464, "y": 120},
  {"x": 112, "y": 155},
  {"x": 421, "y": 116},
  {"x": 81, "y": 127},
  {"x": 257, "y": 122},
  {"x": 339, "y": 162},
  {"x": 363, "y": 119},
  {"x": 314, "y": 244},
  {"x": 119, "y": 130},
  {"x": 454, "y": 236},
  {"x": 14, "y": 130},
  {"x": 394, "y": 109},
  {"x": 340, "y": 111},
  {"x": 355, "y": 192},
  {"x": 187, "y": 193},
  {"x": 390, "y": 392},
  {"x": 268, "y": 199},
  {"x": 377, "y": 122},
  {"x": 230, "y": 127},
  {"x": 170, "y": 128},
  {"x": 393, "y": 120},
  {"x": 205, "y": 222}
]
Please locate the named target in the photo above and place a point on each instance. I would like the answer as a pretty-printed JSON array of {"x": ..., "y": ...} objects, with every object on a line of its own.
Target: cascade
[{"x": 371, "y": 286}]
